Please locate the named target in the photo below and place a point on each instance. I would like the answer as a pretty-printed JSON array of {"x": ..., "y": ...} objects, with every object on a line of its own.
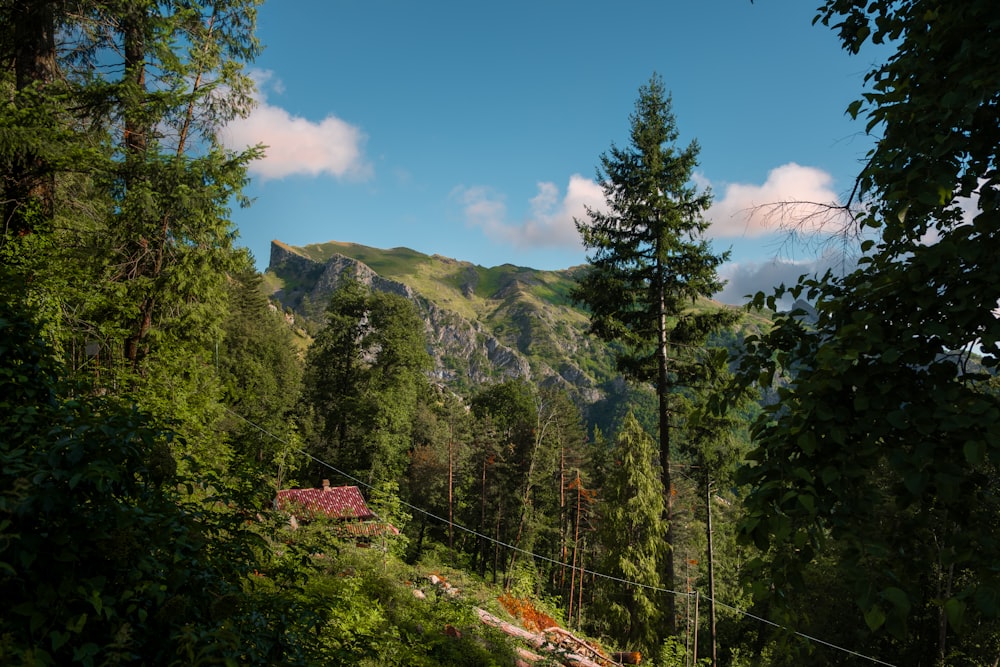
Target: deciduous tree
[
  {"x": 363, "y": 374},
  {"x": 887, "y": 439}
]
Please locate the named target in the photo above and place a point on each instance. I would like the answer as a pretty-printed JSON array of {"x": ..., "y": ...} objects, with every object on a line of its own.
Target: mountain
[{"x": 483, "y": 324}]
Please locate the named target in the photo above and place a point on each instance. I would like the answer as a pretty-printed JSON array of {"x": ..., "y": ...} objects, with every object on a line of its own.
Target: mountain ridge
[{"x": 483, "y": 324}]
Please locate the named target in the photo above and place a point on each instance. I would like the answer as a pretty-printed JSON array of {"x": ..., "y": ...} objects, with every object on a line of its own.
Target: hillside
[{"x": 483, "y": 324}]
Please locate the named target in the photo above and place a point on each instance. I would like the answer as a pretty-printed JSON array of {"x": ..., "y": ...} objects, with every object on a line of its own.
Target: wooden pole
[
  {"x": 579, "y": 598},
  {"x": 451, "y": 486},
  {"x": 576, "y": 548},
  {"x": 695, "y": 652},
  {"x": 687, "y": 612}
]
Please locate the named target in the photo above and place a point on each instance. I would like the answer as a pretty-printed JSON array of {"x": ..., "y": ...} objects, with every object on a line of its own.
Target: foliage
[
  {"x": 442, "y": 438},
  {"x": 649, "y": 260},
  {"x": 631, "y": 531},
  {"x": 260, "y": 373},
  {"x": 363, "y": 376},
  {"x": 365, "y": 612},
  {"x": 106, "y": 555},
  {"x": 117, "y": 191},
  {"x": 673, "y": 653},
  {"x": 885, "y": 442},
  {"x": 649, "y": 265},
  {"x": 387, "y": 506}
]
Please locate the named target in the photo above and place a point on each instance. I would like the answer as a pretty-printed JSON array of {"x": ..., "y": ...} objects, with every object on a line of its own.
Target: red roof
[
  {"x": 338, "y": 502},
  {"x": 367, "y": 529}
]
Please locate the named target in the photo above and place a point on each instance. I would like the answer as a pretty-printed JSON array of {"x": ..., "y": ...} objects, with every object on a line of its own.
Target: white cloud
[
  {"x": 748, "y": 278},
  {"x": 297, "y": 145},
  {"x": 549, "y": 222},
  {"x": 793, "y": 196}
]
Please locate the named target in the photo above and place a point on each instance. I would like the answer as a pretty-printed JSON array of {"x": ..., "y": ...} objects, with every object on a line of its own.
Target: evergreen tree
[
  {"x": 631, "y": 531},
  {"x": 109, "y": 555},
  {"x": 716, "y": 438},
  {"x": 169, "y": 238},
  {"x": 117, "y": 191},
  {"x": 506, "y": 416},
  {"x": 260, "y": 372},
  {"x": 557, "y": 440},
  {"x": 442, "y": 434},
  {"x": 650, "y": 264}
]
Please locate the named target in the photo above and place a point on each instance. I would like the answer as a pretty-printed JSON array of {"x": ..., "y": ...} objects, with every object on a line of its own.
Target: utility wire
[{"x": 582, "y": 570}]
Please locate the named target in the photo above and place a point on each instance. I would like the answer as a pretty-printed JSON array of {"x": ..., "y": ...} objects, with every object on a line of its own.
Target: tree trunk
[
  {"x": 134, "y": 140},
  {"x": 579, "y": 598},
  {"x": 711, "y": 567},
  {"x": 563, "y": 519},
  {"x": 481, "y": 551},
  {"x": 694, "y": 653},
  {"x": 133, "y": 36},
  {"x": 663, "y": 394},
  {"x": 576, "y": 548},
  {"x": 34, "y": 65}
]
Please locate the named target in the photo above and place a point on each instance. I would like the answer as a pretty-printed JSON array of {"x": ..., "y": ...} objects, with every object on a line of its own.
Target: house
[{"x": 343, "y": 504}]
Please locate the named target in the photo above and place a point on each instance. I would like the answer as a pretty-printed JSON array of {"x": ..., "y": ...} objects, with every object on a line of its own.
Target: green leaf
[
  {"x": 954, "y": 610},
  {"x": 915, "y": 482},
  {"x": 803, "y": 474},
  {"x": 898, "y": 598},
  {"x": 975, "y": 451},
  {"x": 77, "y": 624},
  {"x": 58, "y": 639},
  {"x": 37, "y": 620},
  {"x": 852, "y": 110},
  {"x": 874, "y": 618},
  {"x": 807, "y": 441},
  {"x": 897, "y": 419}
]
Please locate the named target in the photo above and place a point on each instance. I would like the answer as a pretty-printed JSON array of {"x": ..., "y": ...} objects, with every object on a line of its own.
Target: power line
[{"x": 546, "y": 559}]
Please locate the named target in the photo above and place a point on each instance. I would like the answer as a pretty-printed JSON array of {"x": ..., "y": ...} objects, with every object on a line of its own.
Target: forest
[{"x": 822, "y": 490}]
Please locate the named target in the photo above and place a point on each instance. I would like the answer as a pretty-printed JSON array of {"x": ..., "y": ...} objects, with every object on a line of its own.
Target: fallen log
[{"x": 542, "y": 643}]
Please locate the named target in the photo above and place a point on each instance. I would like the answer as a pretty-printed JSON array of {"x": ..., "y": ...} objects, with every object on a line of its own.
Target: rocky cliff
[{"x": 482, "y": 325}]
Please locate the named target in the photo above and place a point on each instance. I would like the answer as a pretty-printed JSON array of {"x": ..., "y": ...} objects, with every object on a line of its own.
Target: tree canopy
[
  {"x": 363, "y": 378},
  {"x": 887, "y": 438}
]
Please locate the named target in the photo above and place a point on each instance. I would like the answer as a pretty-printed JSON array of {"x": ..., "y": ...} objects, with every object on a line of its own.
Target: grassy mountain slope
[{"x": 483, "y": 324}]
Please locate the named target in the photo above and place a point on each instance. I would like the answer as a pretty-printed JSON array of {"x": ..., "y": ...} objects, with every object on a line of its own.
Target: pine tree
[
  {"x": 506, "y": 448},
  {"x": 631, "y": 531},
  {"x": 649, "y": 266},
  {"x": 260, "y": 372},
  {"x": 441, "y": 440},
  {"x": 116, "y": 190}
]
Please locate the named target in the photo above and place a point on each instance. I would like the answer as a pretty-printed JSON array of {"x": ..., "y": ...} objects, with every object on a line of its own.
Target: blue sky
[{"x": 473, "y": 129}]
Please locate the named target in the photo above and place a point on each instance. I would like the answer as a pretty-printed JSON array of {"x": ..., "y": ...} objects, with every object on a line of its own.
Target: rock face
[
  {"x": 483, "y": 325},
  {"x": 465, "y": 353}
]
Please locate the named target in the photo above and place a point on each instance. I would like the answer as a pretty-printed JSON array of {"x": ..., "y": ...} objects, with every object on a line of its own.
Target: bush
[{"x": 107, "y": 556}]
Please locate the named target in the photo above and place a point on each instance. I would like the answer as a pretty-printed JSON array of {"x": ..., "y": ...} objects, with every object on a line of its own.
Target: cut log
[{"x": 560, "y": 651}]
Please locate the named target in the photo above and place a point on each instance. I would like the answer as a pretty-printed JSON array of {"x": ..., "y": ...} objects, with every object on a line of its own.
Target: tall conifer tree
[
  {"x": 649, "y": 264},
  {"x": 632, "y": 533}
]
